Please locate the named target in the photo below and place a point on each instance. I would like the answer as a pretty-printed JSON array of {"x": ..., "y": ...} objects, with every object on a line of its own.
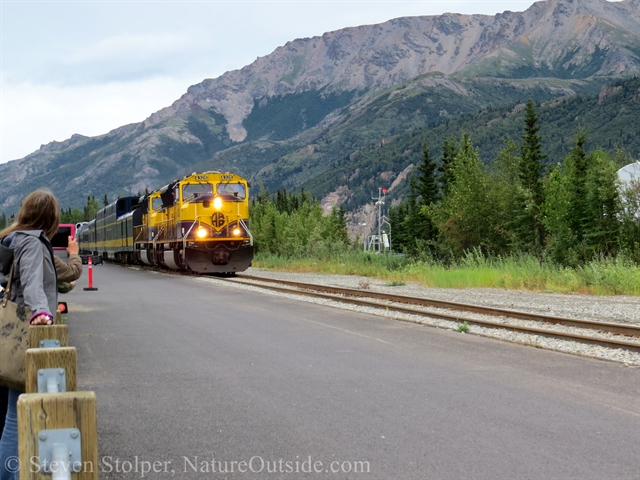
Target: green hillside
[
  {"x": 371, "y": 119},
  {"x": 611, "y": 124}
]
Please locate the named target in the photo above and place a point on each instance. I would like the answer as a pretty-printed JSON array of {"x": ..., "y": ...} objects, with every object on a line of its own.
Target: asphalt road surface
[{"x": 201, "y": 381}]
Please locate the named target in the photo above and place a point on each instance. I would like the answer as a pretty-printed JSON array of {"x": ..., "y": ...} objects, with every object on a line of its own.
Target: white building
[{"x": 629, "y": 176}]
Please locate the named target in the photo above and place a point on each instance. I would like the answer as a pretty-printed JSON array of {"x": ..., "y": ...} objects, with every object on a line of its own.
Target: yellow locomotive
[{"x": 200, "y": 222}]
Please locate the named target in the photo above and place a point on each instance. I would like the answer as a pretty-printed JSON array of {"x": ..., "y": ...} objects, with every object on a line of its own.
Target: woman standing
[{"x": 25, "y": 245}]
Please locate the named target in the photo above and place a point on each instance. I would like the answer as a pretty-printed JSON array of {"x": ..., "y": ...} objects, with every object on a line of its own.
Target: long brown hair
[{"x": 39, "y": 211}]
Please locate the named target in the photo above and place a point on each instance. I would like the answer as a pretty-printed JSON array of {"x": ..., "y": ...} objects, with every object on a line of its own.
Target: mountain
[{"x": 313, "y": 104}]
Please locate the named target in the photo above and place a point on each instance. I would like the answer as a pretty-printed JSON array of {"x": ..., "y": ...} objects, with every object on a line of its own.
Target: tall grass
[{"x": 603, "y": 276}]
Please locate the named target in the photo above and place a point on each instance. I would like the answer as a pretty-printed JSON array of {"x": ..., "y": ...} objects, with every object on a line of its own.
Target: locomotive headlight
[
  {"x": 217, "y": 203},
  {"x": 202, "y": 232},
  {"x": 237, "y": 232}
]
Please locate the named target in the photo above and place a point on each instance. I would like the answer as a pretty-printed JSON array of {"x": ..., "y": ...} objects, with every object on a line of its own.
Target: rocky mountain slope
[{"x": 264, "y": 120}]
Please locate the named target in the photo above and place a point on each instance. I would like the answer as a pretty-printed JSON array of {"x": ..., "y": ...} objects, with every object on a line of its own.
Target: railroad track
[{"x": 397, "y": 302}]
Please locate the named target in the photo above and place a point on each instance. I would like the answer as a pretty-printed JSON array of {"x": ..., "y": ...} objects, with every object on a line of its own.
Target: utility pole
[
  {"x": 380, "y": 241},
  {"x": 380, "y": 203}
]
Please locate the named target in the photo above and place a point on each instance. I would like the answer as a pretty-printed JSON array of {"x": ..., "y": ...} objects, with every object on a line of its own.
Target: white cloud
[
  {"x": 133, "y": 47},
  {"x": 33, "y": 115},
  {"x": 89, "y": 67}
]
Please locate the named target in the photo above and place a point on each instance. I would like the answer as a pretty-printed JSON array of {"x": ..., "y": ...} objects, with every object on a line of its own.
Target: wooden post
[
  {"x": 48, "y": 332},
  {"x": 37, "y": 358},
  {"x": 52, "y": 411}
]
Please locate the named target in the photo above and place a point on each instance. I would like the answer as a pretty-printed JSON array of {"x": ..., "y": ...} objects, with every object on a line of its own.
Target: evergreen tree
[
  {"x": 557, "y": 214},
  {"x": 424, "y": 192},
  {"x": 531, "y": 228},
  {"x": 506, "y": 188},
  {"x": 295, "y": 203},
  {"x": 413, "y": 231},
  {"x": 75, "y": 216},
  {"x": 105, "y": 200},
  {"x": 3, "y": 221},
  {"x": 337, "y": 225},
  {"x": 298, "y": 232},
  {"x": 397, "y": 219},
  {"x": 449, "y": 152},
  {"x": 603, "y": 204},
  {"x": 281, "y": 201},
  {"x": 304, "y": 197},
  {"x": 578, "y": 166},
  {"x": 584, "y": 213},
  {"x": 465, "y": 216},
  {"x": 90, "y": 209},
  {"x": 426, "y": 185}
]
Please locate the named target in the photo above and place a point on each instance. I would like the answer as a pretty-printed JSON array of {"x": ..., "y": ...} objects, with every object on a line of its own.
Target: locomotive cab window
[
  {"x": 238, "y": 190},
  {"x": 156, "y": 204},
  {"x": 191, "y": 189}
]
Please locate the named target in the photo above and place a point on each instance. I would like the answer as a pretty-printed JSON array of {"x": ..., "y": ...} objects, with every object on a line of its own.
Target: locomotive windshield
[
  {"x": 237, "y": 189},
  {"x": 190, "y": 189}
]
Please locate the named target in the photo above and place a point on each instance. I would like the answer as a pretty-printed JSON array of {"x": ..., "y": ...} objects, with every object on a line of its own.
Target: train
[{"x": 198, "y": 223}]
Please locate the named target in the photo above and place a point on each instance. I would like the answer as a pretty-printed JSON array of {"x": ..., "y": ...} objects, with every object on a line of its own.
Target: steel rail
[
  {"x": 616, "y": 328},
  {"x": 609, "y": 343}
]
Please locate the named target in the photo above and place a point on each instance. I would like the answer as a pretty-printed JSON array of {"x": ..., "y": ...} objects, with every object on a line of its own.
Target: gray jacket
[{"x": 34, "y": 281}]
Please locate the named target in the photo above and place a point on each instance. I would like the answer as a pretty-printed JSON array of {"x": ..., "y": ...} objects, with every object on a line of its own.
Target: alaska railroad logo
[{"x": 218, "y": 220}]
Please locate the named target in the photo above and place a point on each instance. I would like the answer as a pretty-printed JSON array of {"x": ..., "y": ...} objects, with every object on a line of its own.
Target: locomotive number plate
[
  {"x": 201, "y": 177},
  {"x": 218, "y": 220},
  {"x": 226, "y": 177}
]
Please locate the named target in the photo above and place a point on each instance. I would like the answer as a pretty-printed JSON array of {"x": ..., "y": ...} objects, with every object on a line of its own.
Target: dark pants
[
  {"x": 4, "y": 398},
  {"x": 9, "y": 463}
]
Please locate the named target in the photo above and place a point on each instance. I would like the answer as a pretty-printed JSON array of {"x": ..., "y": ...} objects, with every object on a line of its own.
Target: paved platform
[{"x": 194, "y": 380}]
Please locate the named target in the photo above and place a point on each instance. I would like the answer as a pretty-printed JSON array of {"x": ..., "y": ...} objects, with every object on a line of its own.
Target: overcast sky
[{"x": 88, "y": 67}]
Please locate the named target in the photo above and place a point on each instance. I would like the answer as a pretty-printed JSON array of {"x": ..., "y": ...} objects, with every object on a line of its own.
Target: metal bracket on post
[
  {"x": 52, "y": 380},
  {"x": 49, "y": 343},
  {"x": 60, "y": 452}
]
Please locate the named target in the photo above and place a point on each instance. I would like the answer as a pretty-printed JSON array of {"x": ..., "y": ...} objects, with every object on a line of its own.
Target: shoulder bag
[{"x": 14, "y": 338}]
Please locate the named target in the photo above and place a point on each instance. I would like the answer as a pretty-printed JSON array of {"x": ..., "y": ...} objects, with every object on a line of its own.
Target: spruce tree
[
  {"x": 90, "y": 209},
  {"x": 423, "y": 192},
  {"x": 338, "y": 223},
  {"x": 531, "y": 155},
  {"x": 531, "y": 228},
  {"x": 449, "y": 152},
  {"x": 281, "y": 201},
  {"x": 604, "y": 208},
  {"x": 579, "y": 210},
  {"x": 465, "y": 216},
  {"x": 426, "y": 185},
  {"x": 397, "y": 219},
  {"x": 506, "y": 190}
]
